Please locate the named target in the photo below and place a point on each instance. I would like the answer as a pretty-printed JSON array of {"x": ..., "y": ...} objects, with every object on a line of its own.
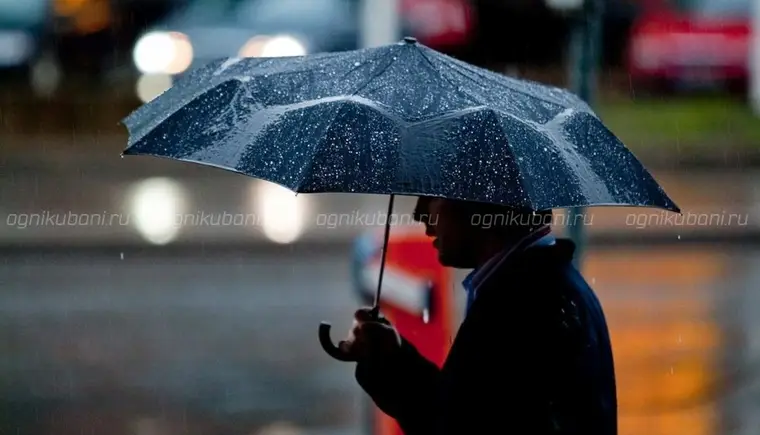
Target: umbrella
[{"x": 400, "y": 119}]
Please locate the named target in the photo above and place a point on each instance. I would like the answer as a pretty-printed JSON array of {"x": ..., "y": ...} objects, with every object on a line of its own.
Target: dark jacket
[{"x": 532, "y": 357}]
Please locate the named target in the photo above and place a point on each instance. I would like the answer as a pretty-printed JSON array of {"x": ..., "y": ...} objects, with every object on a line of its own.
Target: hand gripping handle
[{"x": 337, "y": 351}]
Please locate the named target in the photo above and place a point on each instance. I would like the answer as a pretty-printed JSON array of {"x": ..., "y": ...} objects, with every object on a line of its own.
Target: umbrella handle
[{"x": 327, "y": 344}]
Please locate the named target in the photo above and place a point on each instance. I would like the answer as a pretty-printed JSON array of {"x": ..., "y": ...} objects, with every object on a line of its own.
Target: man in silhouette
[{"x": 533, "y": 355}]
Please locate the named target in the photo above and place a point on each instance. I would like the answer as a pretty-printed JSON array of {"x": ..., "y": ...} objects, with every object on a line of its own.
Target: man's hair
[
  {"x": 501, "y": 219},
  {"x": 495, "y": 217}
]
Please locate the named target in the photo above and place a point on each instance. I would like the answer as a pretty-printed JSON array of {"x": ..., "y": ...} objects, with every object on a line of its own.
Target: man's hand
[{"x": 370, "y": 337}]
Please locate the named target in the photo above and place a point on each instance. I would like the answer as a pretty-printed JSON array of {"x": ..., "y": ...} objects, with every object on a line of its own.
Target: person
[{"x": 533, "y": 354}]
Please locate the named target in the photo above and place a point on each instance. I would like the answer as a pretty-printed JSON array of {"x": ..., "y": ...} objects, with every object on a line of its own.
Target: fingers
[
  {"x": 370, "y": 315},
  {"x": 352, "y": 332},
  {"x": 373, "y": 337},
  {"x": 361, "y": 331},
  {"x": 364, "y": 315},
  {"x": 347, "y": 348},
  {"x": 370, "y": 335}
]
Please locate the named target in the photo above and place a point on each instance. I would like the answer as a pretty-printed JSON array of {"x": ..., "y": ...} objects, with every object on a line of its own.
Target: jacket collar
[{"x": 539, "y": 237}]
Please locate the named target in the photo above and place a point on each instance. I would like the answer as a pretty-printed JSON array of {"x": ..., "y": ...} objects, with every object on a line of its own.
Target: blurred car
[
  {"x": 23, "y": 27},
  {"x": 205, "y": 30},
  {"x": 692, "y": 43},
  {"x": 210, "y": 29}
]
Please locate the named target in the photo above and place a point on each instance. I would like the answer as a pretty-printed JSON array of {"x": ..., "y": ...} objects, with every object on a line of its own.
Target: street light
[
  {"x": 156, "y": 203},
  {"x": 283, "y": 213}
]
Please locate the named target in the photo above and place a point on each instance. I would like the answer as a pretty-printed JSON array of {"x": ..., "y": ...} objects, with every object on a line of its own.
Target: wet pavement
[{"x": 228, "y": 343}]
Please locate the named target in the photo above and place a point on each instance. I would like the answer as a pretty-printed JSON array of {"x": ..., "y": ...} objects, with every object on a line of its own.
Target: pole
[
  {"x": 585, "y": 47},
  {"x": 379, "y": 22}
]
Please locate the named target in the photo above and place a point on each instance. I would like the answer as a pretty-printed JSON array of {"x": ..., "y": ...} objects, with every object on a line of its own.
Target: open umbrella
[{"x": 401, "y": 119}]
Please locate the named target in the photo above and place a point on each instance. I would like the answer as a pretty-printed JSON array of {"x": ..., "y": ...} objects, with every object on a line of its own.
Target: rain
[{"x": 162, "y": 273}]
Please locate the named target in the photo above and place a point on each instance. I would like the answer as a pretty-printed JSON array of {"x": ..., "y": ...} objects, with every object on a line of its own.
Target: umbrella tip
[{"x": 410, "y": 39}]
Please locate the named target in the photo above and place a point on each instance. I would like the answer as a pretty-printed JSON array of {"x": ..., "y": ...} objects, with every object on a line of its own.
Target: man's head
[{"x": 466, "y": 233}]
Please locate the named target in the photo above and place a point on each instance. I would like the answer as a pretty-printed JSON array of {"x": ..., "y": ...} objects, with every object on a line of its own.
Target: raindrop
[
  {"x": 357, "y": 63},
  {"x": 121, "y": 256},
  {"x": 593, "y": 280},
  {"x": 679, "y": 237},
  {"x": 679, "y": 339},
  {"x": 671, "y": 370}
]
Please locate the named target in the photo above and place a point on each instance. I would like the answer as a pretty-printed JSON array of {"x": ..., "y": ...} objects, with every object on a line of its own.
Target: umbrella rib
[
  {"x": 492, "y": 76},
  {"x": 489, "y": 110},
  {"x": 352, "y": 70},
  {"x": 437, "y": 70},
  {"x": 374, "y": 77},
  {"x": 309, "y": 167},
  {"x": 354, "y": 94},
  {"x": 520, "y": 177}
]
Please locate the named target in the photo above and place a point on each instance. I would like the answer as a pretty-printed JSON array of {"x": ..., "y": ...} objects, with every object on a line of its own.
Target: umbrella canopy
[{"x": 398, "y": 119}]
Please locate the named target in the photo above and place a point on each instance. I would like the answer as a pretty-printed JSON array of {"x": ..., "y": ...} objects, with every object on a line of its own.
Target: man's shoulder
[
  {"x": 535, "y": 268},
  {"x": 543, "y": 285}
]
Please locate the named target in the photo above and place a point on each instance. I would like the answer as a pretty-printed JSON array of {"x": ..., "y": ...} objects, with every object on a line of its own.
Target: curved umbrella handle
[{"x": 327, "y": 344}]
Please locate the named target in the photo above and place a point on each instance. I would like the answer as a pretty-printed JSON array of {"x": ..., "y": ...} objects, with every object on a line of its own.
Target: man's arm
[{"x": 404, "y": 386}]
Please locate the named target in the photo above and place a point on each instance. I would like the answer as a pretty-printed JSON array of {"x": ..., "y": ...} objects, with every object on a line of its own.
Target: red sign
[
  {"x": 439, "y": 23},
  {"x": 416, "y": 298}
]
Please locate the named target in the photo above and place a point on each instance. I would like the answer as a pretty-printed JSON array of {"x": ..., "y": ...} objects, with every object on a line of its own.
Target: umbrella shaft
[{"x": 376, "y": 306}]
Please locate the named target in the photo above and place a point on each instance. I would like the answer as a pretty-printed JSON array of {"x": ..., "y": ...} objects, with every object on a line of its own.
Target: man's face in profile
[{"x": 450, "y": 228}]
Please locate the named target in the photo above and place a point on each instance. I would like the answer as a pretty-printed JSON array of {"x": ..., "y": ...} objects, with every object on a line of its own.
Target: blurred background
[{"x": 116, "y": 320}]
